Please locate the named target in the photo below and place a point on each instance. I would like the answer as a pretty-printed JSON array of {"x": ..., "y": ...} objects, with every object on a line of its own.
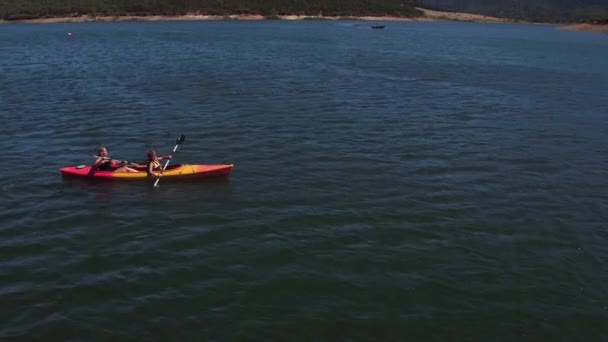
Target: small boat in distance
[{"x": 378, "y": 27}]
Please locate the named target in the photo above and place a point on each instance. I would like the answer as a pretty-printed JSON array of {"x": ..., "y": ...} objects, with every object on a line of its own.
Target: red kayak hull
[{"x": 180, "y": 171}]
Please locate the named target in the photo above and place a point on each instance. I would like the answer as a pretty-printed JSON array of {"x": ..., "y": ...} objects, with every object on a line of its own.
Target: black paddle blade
[{"x": 180, "y": 140}]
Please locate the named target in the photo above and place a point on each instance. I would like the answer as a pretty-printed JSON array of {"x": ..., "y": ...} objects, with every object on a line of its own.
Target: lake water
[{"x": 426, "y": 181}]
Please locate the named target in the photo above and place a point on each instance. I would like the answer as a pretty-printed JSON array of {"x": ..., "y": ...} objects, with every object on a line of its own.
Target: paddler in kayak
[
  {"x": 153, "y": 162},
  {"x": 105, "y": 163}
]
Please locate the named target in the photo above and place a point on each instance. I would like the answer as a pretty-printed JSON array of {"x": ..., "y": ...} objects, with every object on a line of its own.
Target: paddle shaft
[{"x": 178, "y": 142}]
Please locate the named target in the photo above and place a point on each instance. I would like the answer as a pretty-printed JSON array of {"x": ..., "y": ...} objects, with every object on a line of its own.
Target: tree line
[
  {"x": 595, "y": 11},
  {"x": 33, "y": 9}
]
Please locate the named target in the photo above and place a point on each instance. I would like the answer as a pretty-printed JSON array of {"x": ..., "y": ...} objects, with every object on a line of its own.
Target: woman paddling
[{"x": 153, "y": 162}]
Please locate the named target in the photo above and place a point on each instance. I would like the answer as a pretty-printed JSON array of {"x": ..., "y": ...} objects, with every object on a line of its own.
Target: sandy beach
[
  {"x": 586, "y": 27},
  {"x": 88, "y": 18},
  {"x": 431, "y": 15},
  {"x": 199, "y": 17}
]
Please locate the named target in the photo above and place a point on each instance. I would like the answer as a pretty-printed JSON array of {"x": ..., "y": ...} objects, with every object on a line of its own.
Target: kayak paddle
[{"x": 178, "y": 142}]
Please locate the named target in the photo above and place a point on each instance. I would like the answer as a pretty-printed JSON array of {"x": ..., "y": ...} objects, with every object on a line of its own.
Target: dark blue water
[{"x": 426, "y": 181}]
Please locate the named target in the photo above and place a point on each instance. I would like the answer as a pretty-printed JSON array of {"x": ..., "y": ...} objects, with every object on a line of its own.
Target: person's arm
[
  {"x": 116, "y": 163},
  {"x": 149, "y": 168},
  {"x": 97, "y": 163},
  {"x": 165, "y": 157},
  {"x": 101, "y": 160}
]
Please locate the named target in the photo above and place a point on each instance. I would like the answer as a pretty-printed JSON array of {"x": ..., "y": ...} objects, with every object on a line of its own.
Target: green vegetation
[
  {"x": 32, "y": 9},
  {"x": 592, "y": 11}
]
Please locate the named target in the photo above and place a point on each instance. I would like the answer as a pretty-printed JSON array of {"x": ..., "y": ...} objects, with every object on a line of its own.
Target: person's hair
[
  {"x": 151, "y": 155},
  {"x": 101, "y": 148}
]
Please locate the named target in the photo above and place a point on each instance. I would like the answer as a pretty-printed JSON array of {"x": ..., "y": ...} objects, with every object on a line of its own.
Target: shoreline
[
  {"x": 428, "y": 16},
  {"x": 433, "y": 15},
  {"x": 193, "y": 17},
  {"x": 202, "y": 17},
  {"x": 585, "y": 27}
]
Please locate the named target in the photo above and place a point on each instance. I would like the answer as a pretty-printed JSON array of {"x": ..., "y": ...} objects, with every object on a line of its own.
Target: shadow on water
[
  {"x": 188, "y": 189},
  {"x": 136, "y": 204}
]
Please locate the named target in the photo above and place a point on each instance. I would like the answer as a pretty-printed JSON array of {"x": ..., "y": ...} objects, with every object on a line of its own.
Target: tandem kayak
[{"x": 176, "y": 171}]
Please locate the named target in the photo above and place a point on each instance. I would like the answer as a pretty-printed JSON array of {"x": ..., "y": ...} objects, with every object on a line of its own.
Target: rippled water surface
[{"x": 428, "y": 180}]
